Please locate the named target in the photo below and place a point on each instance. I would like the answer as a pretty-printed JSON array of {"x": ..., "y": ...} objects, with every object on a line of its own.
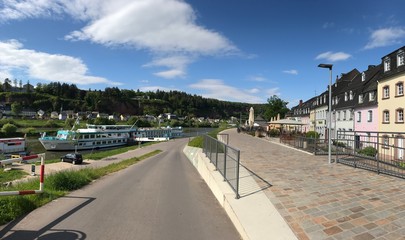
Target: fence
[
  {"x": 381, "y": 152},
  {"x": 313, "y": 145},
  {"x": 225, "y": 158}
]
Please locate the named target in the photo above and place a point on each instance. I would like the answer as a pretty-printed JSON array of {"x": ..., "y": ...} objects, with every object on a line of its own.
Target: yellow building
[{"x": 391, "y": 104}]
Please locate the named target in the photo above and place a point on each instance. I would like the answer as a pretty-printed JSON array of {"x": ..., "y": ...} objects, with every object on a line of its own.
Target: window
[
  {"x": 338, "y": 115},
  {"x": 400, "y": 58},
  {"x": 386, "y": 116},
  {"x": 358, "y": 116},
  {"x": 351, "y": 95},
  {"x": 400, "y": 115},
  {"x": 344, "y": 115},
  {"x": 387, "y": 64},
  {"x": 363, "y": 76},
  {"x": 399, "y": 89},
  {"x": 345, "y": 96},
  {"x": 386, "y": 141},
  {"x": 386, "y": 92},
  {"x": 371, "y": 96},
  {"x": 361, "y": 98},
  {"x": 351, "y": 115},
  {"x": 370, "y": 116}
]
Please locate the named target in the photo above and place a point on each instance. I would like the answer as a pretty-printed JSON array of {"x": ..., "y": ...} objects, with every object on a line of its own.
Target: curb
[{"x": 254, "y": 216}]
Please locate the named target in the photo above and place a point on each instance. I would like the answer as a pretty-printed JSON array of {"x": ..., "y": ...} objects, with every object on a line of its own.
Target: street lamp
[{"x": 330, "y": 110}]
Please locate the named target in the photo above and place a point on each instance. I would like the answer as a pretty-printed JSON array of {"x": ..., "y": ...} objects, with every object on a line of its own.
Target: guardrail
[
  {"x": 226, "y": 160},
  {"x": 27, "y": 159}
]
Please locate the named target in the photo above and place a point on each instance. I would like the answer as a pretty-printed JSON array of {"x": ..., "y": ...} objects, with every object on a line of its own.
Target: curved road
[{"x": 162, "y": 197}]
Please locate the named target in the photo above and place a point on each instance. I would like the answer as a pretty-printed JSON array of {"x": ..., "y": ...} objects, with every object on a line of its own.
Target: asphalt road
[{"x": 162, "y": 197}]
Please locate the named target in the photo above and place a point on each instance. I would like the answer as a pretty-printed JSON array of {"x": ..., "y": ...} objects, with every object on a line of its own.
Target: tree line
[{"x": 57, "y": 96}]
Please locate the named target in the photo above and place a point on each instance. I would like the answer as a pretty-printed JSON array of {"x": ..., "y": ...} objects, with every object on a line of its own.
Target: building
[{"x": 391, "y": 103}]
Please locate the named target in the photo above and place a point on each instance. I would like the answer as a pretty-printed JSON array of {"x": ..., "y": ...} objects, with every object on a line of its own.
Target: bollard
[{"x": 33, "y": 170}]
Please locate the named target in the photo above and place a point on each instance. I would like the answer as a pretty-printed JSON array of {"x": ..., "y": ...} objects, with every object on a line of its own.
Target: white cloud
[
  {"x": 215, "y": 88},
  {"x": 50, "y": 67},
  {"x": 258, "y": 78},
  {"x": 162, "y": 27},
  {"x": 386, "y": 37},
  {"x": 328, "y": 25},
  {"x": 253, "y": 90},
  {"x": 176, "y": 65},
  {"x": 292, "y": 71},
  {"x": 333, "y": 57},
  {"x": 273, "y": 91}
]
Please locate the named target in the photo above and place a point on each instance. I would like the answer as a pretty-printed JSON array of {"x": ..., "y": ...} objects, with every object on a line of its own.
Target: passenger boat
[
  {"x": 157, "y": 134},
  {"x": 10, "y": 146},
  {"x": 102, "y": 136}
]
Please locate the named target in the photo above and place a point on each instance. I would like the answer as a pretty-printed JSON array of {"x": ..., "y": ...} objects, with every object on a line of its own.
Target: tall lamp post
[{"x": 329, "y": 110}]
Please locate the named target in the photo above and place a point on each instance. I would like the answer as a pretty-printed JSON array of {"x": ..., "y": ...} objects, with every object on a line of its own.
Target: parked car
[{"x": 75, "y": 158}]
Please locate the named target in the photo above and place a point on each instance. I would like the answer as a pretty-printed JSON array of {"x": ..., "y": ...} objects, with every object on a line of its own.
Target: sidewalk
[{"x": 316, "y": 199}]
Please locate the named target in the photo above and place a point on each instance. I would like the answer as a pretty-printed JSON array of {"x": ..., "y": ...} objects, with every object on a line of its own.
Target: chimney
[{"x": 300, "y": 103}]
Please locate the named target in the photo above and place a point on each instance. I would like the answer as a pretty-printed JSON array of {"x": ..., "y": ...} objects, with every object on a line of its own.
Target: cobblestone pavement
[{"x": 320, "y": 200}]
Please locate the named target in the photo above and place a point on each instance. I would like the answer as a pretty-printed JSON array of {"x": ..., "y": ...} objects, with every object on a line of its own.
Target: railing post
[
  {"x": 378, "y": 152},
  {"x": 225, "y": 154},
  {"x": 216, "y": 155},
  {"x": 237, "y": 176}
]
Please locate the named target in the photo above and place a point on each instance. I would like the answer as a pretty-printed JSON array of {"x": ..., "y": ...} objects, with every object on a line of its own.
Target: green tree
[
  {"x": 276, "y": 106},
  {"x": 9, "y": 129},
  {"x": 16, "y": 108}
]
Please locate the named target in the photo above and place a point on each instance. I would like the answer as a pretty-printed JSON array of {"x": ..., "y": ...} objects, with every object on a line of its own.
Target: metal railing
[
  {"x": 226, "y": 160},
  {"x": 312, "y": 145},
  {"x": 381, "y": 152}
]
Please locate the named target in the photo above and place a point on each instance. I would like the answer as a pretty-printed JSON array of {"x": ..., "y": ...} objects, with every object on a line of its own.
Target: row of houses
[{"x": 370, "y": 103}]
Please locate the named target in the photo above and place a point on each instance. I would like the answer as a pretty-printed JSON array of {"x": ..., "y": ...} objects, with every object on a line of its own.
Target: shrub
[
  {"x": 312, "y": 134},
  {"x": 274, "y": 133},
  {"x": 368, "y": 151},
  {"x": 9, "y": 128},
  {"x": 30, "y": 131}
]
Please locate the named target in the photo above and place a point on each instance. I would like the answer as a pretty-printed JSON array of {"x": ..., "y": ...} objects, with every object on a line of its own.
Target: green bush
[
  {"x": 312, "y": 134},
  {"x": 9, "y": 129},
  {"x": 274, "y": 133},
  {"x": 30, "y": 131},
  {"x": 368, "y": 151}
]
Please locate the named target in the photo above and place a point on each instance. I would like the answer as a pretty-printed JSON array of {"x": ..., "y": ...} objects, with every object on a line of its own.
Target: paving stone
[{"x": 354, "y": 204}]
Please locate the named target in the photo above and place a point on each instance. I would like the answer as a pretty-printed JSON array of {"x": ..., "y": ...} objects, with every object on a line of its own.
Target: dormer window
[
  {"x": 363, "y": 77},
  {"x": 351, "y": 95},
  {"x": 345, "y": 96},
  {"x": 400, "y": 58},
  {"x": 387, "y": 64},
  {"x": 361, "y": 98}
]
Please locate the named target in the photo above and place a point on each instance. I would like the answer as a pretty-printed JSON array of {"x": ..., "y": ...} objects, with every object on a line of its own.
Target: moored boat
[
  {"x": 103, "y": 136},
  {"x": 10, "y": 146}
]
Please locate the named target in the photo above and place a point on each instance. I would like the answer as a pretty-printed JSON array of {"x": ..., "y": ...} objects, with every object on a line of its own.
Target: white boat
[
  {"x": 102, "y": 136},
  {"x": 13, "y": 146},
  {"x": 156, "y": 134}
]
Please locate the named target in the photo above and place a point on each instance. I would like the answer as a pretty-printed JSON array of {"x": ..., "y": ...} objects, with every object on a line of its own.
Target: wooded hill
[{"x": 56, "y": 96}]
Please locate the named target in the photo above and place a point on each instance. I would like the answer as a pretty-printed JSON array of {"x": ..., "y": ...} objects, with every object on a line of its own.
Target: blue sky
[{"x": 240, "y": 50}]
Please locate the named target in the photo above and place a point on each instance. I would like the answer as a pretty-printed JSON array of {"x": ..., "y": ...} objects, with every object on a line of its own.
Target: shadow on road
[{"x": 60, "y": 234}]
